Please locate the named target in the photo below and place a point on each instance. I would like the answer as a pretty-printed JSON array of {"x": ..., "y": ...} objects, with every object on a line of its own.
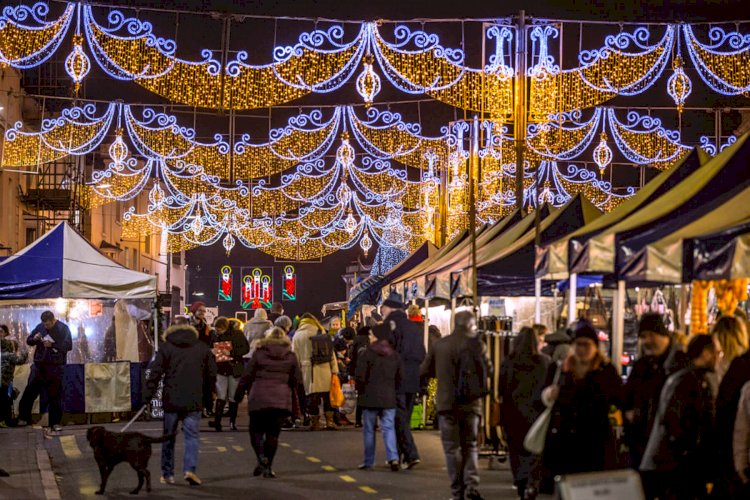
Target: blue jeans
[
  {"x": 190, "y": 426},
  {"x": 387, "y": 427}
]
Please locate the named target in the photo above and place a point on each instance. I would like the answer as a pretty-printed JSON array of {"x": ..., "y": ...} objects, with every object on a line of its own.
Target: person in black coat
[
  {"x": 184, "y": 363},
  {"x": 662, "y": 357},
  {"x": 580, "y": 436},
  {"x": 522, "y": 377},
  {"x": 679, "y": 455},
  {"x": 379, "y": 374},
  {"x": 409, "y": 342},
  {"x": 358, "y": 347},
  {"x": 271, "y": 376},
  {"x": 53, "y": 343},
  {"x": 230, "y": 365}
]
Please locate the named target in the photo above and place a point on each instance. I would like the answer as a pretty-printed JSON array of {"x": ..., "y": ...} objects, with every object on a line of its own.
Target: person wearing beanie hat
[
  {"x": 408, "y": 338},
  {"x": 580, "y": 392},
  {"x": 680, "y": 455},
  {"x": 378, "y": 378},
  {"x": 662, "y": 357}
]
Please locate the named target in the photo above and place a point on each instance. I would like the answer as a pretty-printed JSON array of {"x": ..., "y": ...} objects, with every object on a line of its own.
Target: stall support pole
[
  {"x": 618, "y": 326},
  {"x": 426, "y": 347},
  {"x": 453, "y": 313},
  {"x": 538, "y": 301},
  {"x": 572, "y": 291},
  {"x": 156, "y": 329}
]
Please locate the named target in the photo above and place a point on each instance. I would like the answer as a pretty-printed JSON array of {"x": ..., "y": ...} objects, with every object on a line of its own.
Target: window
[
  {"x": 147, "y": 244},
  {"x": 30, "y": 235},
  {"x": 177, "y": 259},
  {"x": 128, "y": 262}
]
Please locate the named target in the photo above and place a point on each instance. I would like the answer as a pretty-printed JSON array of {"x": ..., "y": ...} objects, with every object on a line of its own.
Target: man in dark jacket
[
  {"x": 409, "y": 342},
  {"x": 459, "y": 421},
  {"x": 53, "y": 342},
  {"x": 677, "y": 460},
  {"x": 358, "y": 347},
  {"x": 379, "y": 374},
  {"x": 185, "y": 363},
  {"x": 662, "y": 358}
]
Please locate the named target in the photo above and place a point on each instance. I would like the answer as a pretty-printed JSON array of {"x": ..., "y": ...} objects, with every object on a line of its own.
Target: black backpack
[
  {"x": 322, "y": 349},
  {"x": 473, "y": 373}
]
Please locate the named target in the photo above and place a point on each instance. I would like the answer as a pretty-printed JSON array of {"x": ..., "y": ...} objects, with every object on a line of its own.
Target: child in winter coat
[{"x": 10, "y": 357}]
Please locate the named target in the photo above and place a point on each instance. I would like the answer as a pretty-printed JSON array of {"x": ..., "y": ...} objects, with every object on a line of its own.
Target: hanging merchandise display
[
  {"x": 225, "y": 284},
  {"x": 289, "y": 282},
  {"x": 729, "y": 293}
]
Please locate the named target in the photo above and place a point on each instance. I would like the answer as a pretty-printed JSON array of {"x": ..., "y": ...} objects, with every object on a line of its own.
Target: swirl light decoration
[
  {"x": 603, "y": 73},
  {"x": 320, "y": 62},
  {"x": 24, "y": 45},
  {"x": 724, "y": 63}
]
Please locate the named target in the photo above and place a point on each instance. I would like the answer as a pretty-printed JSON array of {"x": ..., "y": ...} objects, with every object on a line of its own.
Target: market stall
[{"x": 107, "y": 307}]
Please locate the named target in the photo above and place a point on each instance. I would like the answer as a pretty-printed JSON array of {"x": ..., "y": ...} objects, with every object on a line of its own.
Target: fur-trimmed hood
[
  {"x": 181, "y": 335},
  {"x": 265, "y": 341}
]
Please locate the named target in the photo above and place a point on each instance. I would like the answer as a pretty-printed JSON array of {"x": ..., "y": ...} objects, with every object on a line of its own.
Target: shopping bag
[
  {"x": 336, "y": 394},
  {"x": 537, "y": 435},
  {"x": 416, "y": 417},
  {"x": 221, "y": 351},
  {"x": 350, "y": 399}
]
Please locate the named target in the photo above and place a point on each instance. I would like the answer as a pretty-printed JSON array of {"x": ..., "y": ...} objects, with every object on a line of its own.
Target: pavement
[{"x": 308, "y": 465}]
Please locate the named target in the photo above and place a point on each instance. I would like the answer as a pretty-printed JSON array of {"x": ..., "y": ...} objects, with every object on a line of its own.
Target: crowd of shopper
[{"x": 684, "y": 410}]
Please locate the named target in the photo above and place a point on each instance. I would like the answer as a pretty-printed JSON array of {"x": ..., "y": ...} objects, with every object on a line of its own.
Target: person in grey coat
[
  {"x": 522, "y": 378},
  {"x": 459, "y": 421}
]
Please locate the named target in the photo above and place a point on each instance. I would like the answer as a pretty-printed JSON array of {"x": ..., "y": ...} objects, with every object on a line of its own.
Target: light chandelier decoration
[
  {"x": 602, "y": 154},
  {"x": 290, "y": 196}
]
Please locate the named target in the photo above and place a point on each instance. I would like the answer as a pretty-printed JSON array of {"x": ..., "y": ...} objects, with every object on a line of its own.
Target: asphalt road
[{"x": 308, "y": 465}]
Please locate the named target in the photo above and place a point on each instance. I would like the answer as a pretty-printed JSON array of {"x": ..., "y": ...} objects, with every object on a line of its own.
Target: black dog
[{"x": 111, "y": 448}]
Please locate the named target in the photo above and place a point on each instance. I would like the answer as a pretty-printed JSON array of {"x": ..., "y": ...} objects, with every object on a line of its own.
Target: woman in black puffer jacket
[{"x": 270, "y": 377}]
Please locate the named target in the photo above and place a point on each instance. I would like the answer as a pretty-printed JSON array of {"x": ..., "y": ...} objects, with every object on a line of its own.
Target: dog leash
[{"x": 140, "y": 412}]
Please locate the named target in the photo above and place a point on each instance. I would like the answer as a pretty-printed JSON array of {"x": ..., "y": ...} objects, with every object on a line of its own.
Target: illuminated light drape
[
  {"x": 439, "y": 72},
  {"x": 604, "y": 73},
  {"x": 723, "y": 63},
  {"x": 644, "y": 141},
  {"x": 24, "y": 45},
  {"x": 77, "y": 131}
]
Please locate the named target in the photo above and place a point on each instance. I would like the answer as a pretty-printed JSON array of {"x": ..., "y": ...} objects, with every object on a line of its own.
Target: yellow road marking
[
  {"x": 298, "y": 452},
  {"x": 88, "y": 490},
  {"x": 329, "y": 468},
  {"x": 348, "y": 479},
  {"x": 286, "y": 445},
  {"x": 238, "y": 448},
  {"x": 314, "y": 460},
  {"x": 221, "y": 449},
  {"x": 70, "y": 447},
  {"x": 367, "y": 489}
]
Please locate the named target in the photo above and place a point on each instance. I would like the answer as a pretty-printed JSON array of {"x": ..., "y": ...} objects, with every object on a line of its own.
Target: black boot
[
  {"x": 217, "y": 415},
  {"x": 233, "y": 415}
]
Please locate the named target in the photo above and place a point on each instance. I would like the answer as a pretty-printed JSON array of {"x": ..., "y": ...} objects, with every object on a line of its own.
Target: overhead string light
[{"x": 723, "y": 63}]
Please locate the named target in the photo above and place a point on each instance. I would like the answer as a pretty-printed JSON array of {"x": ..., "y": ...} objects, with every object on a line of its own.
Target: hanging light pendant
[
  {"x": 118, "y": 152},
  {"x": 156, "y": 195},
  {"x": 602, "y": 154},
  {"x": 228, "y": 243},
  {"x": 350, "y": 224},
  {"x": 368, "y": 82},
  {"x": 77, "y": 64},
  {"x": 197, "y": 226},
  {"x": 365, "y": 243},
  {"x": 345, "y": 152},
  {"x": 679, "y": 85}
]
